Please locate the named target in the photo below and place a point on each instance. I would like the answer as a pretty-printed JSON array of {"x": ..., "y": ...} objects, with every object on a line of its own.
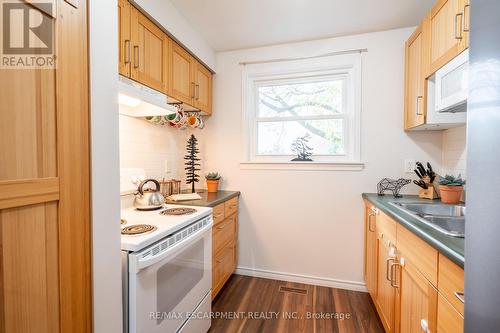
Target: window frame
[{"x": 347, "y": 67}]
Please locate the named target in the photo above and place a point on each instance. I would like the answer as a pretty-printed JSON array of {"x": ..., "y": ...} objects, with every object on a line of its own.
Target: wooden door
[
  {"x": 203, "y": 88},
  {"x": 415, "y": 97},
  {"x": 418, "y": 301},
  {"x": 44, "y": 188},
  {"x": 446, "y": 33},
  {"x": 182, "y": 85},
  {"x": 150, "y": 48},
  {"x": 386, "y": 293},
  {"x": 124, "y": 42},
  {"x": 370, "y": 252}
]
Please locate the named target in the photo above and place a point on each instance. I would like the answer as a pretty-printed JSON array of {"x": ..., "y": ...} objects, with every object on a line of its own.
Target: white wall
[
  {"x": 106, "y": 269},
  {"x": 455, "y": 151},
  {"x": 310, "y": 223},
  {"x": 171, "y": 19}
]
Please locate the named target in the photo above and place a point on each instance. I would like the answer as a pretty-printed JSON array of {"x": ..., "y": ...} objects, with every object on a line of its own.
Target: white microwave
[{"x": 451, "y": 85}]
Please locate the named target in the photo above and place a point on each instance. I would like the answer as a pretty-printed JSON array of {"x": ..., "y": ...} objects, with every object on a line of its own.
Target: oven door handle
[{"x": 144, "y": 263}]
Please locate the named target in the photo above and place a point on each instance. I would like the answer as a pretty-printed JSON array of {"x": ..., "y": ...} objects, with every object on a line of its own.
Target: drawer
[
  {"x": 231, "y": 206},
  {"x": 224, "y": 233},
  {"x": 386, "y": 228},
  {"x": 218, "y": 213},
  {"x": 451, "y": 281},
  {"x": 448, "y": 318},
  {"x": 423, "y": 256},
  {"x": 223, "y": 266}
]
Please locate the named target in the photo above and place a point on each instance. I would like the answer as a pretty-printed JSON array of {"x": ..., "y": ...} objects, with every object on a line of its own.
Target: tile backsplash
[{"x": 454, "y": 151}]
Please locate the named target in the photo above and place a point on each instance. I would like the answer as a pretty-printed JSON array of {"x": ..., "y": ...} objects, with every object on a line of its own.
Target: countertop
[
  {"x": 207, "y": 199},
  {"x": 452, "y": 247}
]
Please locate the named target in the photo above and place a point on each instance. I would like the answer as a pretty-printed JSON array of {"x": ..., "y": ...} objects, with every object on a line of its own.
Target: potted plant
[
  {"x": 212, "y": 181},
  {"x": 451, "y": 188}
]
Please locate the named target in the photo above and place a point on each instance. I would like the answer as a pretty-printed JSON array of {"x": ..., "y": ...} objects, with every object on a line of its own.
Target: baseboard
[{"x": 314, "y": 280}]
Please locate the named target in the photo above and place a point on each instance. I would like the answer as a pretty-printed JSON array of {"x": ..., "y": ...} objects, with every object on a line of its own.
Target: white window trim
[{"x": 348, "y": 65}]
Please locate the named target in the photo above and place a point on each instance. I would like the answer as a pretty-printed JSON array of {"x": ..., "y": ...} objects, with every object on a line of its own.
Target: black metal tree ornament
[
  {"x": 300, "y": 147},
  {"x": 192, "y": 164}
]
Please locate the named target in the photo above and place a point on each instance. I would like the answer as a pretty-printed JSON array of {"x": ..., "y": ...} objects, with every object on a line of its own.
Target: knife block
[{"x": 429, "y": 193}]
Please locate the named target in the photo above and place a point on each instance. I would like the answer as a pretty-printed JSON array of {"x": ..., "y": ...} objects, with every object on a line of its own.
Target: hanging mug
[{"x": 193, "y": 121}]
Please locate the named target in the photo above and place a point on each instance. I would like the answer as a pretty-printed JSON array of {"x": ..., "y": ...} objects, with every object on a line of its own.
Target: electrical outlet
[
  {"x": 409, "y": 165},
  {"x": 167, "y": 167}
]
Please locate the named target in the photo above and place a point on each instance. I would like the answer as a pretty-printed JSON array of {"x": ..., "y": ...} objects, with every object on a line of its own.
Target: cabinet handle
[
  {"x": 137, "y": 56},
  {"x": 193, "y": 85},
  {"x": 370, "y": 222},
  {"x": 387, "y": 264},
  {"x": 393, "y": 274},
  {"x": 457, "y": 30},
  {"x": 424, "y": 324},
  {"x": 417, "y": 108},
  {"x": 197, "y": 91},
  {"x": 466, "y": 19},
  {"x": 127, "y": 51},
  {"x": 460, "y": 296},
  {"x": 217, "y": 215},
  {"x": 233, "y": 206}
]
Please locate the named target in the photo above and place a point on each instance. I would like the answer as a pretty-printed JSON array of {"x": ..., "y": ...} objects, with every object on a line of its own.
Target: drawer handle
[
  {"x": 220, "y": 261},
  {"x": 424, "y": 324},
  {"x": 233, "y": 206},
  {"x": 221, "y": 226},
  {"x": 460, "y": 296},
  {"x": 218, "y": 215}
]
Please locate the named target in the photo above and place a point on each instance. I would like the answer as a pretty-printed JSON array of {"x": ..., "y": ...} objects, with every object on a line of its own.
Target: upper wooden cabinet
[
  {"x": 182, "y": 86},
  {"x": 415, "y": 75},
  {"x": 203, "y": 88},
  {"x": 150, "y": 49},
  {"x": 124, "y": 42},
  {"x": 149, "y": 56},
  {"x": 448, "y": 30}
]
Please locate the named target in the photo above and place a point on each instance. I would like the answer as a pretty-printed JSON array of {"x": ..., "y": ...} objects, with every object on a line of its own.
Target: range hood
[{"x": 137, "y": 100}]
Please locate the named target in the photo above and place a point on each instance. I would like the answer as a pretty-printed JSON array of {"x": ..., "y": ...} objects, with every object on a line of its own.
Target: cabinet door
[
  {"x": 386, "y": 293},
  {"x": 150, "y": 52},
  {"x": 182, "y": 85},
  {"x": 124, "y": 43},
  {"x": 449, "y": 320},
  {"x": 446, "y": 33},
  {"x": 415, "y": 97},
  {"x": 370, "y": 251},
  {"x": 203, "y": 88},
  {"x": 223, "y": 267},
  {"x": 418, "y": 301}
]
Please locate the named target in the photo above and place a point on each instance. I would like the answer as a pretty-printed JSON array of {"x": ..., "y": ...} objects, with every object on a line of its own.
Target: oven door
[{"x": 167, "y": 286}]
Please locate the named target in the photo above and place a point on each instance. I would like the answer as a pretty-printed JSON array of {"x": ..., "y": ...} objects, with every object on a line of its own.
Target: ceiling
[{"x": 236, "y": 24}]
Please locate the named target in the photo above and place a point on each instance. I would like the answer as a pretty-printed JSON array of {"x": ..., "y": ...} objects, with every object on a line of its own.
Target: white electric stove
[{"x": 167, "y": 269}]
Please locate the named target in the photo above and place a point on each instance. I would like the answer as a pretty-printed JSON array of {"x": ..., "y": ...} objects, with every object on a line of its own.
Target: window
[{"x": 316, "y": 98}]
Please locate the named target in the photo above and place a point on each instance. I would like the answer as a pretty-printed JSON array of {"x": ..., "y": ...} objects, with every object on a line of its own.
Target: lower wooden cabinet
[
  {"x": 414, "y": 288},
  {"x": 224, "y": 243}
]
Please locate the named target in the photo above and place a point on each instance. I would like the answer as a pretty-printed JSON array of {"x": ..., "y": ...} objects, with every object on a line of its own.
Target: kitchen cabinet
[
  {"x": 446, "y": 31},
  {"x": 417, "y": 288},
  {"x": 224, "y": 243},
  {"x": 149, "y": 55},
  {"x": 370, "y": 269},
  {"x": 190, "y": 81},
  {"x": 415, "y": 78},
  {"x": 182, "y": 85},
  {"x": 418, "y": 299},
  {"x": 124, "y": 42},
  {"x": 386, "y": 291}
]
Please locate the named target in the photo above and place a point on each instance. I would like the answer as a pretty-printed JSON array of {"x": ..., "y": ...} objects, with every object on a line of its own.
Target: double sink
[{"x": 447, "y": 219}]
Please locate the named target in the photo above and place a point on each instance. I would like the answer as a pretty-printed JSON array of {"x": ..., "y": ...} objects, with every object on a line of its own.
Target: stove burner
[
  {"x": 178, "y": 211},
  {"x": 138, "y": 229},
  {"x": 122, "y": 221}
]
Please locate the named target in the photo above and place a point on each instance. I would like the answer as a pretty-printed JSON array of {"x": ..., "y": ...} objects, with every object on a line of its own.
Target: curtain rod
[{"x": 302, "y": 58}]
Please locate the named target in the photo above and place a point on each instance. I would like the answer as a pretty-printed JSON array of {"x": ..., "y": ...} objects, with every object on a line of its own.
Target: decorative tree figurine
[
  {"x": 300, "y": 147},
  {"x": 192, "y": 164}
]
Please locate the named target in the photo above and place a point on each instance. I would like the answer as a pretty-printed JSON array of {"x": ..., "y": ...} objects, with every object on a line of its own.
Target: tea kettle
[{"x": 148, "y": 199}]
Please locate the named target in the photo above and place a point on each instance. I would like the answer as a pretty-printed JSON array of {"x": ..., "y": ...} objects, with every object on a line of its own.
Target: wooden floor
[{"x": 262, "y": 307}]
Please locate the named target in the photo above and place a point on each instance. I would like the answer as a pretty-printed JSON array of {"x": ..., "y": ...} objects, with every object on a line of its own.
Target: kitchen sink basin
[{"x": 447, "y": 219}]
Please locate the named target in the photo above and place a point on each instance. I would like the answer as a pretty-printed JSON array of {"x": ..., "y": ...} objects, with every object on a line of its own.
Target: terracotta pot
[
  {"x": 451, "y": 194},
  {"x": 212, "y": 185}
]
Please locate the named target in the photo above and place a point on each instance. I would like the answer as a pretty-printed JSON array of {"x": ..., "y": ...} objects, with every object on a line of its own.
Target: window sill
[{"x": 303, "y": 166}]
